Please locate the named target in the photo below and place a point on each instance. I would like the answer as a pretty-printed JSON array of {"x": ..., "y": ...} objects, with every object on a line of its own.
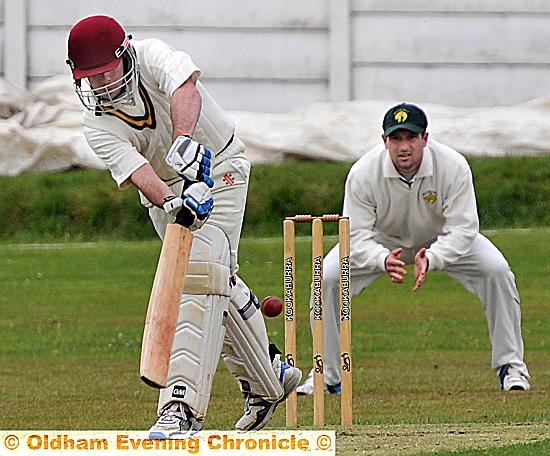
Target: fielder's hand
[
  {"x": 190, "y": 160},
  {"x": 394, "y": 266},
  {"x": 420, "y": 268}
]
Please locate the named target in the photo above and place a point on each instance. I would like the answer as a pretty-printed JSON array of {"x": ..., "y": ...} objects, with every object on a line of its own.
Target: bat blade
[{"x": 164, "y": 303}]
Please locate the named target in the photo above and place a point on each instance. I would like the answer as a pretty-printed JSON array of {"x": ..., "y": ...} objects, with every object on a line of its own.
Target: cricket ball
[{"x": 271, "y": 306}]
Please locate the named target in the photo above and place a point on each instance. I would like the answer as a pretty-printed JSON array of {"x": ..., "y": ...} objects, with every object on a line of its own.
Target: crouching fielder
[
  {"x": 154, "y": 125},
  {"x": 411, "y": 200}
]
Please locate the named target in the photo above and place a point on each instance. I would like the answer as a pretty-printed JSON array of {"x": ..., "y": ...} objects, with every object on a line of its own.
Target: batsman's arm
[
  {"x": 191, "y": 210},
  {"x": 189, "y": 158},
  {"x": 146, "y": 180},
  {"x": 185, "y": 108}
]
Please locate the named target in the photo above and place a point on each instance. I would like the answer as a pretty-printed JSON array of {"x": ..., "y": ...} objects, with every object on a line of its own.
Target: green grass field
[{"x": 71, "y": 321}]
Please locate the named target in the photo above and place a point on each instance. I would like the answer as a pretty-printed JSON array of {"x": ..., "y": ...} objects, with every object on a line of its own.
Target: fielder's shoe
[
  {"x": 176, "y": 421},
  {"x": 258, "y": 411},
  {"x": 306, "y": 388},
  {"x": 511, "y": 378}
]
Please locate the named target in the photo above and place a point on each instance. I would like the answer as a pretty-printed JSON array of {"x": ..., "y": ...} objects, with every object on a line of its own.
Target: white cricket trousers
[{"x": 483, "y": 271}]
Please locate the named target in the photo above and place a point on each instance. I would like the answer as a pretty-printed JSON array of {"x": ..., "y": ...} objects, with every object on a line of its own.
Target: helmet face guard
[
  {"x": 114, "y": 95},
  {"x": 97, "y": 45}
]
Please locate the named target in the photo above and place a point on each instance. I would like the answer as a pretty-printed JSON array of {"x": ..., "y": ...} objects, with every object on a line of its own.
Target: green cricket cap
[{"x": 405, "y": 116}]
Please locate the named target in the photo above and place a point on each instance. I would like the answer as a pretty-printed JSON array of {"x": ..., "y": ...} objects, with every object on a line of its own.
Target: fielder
[
  {"x": 154, "y": 125},
  {"x": 411, "y": 200}
]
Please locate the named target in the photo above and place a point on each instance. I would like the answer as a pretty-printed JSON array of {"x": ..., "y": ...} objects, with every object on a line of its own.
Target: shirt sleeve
[
  {"x": 169, "y": 67},
  {"x": 461, "y": 223},
  {"x": 120, "y": 156},
  {"x": 359, "y": 204}
]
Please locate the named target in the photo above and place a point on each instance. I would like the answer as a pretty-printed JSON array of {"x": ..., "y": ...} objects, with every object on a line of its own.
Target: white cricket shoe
[
  {"x": 511, "y": 378},
  {"x": 258, "y": 411},
  {"x": 175, "y": 421},
  {"x": 306, "y": 388}
]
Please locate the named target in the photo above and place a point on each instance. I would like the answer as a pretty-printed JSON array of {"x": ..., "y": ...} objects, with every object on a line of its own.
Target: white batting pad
[
  {"x": 208, "y": 271},
  {"x": 246, "y": 346},
  {"x": 201, "y": 323}
]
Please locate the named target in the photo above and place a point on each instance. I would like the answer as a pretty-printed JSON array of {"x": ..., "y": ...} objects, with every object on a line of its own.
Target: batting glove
[
  {"x": 197, "y": 206},
  {"x": 172, "y": 205},
  {"x": 194, "y": 208},
  {"x": 190, "y": 160}
]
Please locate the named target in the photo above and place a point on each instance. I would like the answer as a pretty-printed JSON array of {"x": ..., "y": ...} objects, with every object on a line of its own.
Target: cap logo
[
  {"x": 120, "y": 50},
  {"x": 400, "y": 116}
]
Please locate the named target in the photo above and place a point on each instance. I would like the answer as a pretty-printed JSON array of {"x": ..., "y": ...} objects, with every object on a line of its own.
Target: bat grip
[{"x": 184, "y": 217}]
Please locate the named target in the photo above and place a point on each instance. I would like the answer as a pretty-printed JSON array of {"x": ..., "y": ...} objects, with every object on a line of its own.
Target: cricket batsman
[{"x": 155, "y": 126}]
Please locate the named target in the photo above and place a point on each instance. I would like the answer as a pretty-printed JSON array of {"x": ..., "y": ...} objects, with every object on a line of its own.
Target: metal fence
[{"x": 273, "y": 56}]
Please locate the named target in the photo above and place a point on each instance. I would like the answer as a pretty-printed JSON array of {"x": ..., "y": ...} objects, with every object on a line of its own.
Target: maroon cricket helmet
[{"x": 95, "y": 45}]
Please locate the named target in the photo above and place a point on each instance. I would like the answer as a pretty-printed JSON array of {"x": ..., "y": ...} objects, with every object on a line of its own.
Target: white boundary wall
[{"x": 274, "y": 56}]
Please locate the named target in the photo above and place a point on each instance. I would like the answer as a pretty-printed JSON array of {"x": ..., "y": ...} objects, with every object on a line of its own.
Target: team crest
[
  {"x": 430, "y": 196},
  {"x": 400, "y": 116}
]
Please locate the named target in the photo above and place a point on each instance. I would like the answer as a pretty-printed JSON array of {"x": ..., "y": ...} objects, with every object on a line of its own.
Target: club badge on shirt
[{"x": 430, "y": 196}]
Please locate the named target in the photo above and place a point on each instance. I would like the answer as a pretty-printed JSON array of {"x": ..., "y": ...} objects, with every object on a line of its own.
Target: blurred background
[
  {"x": 278, "y": 56},
  {"x": 305, "y": 80}
]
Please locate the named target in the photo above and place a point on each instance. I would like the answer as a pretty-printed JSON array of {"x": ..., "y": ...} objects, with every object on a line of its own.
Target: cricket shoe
[
  {"x": 176, "y": 421},
  {"x": 512, "y": 378},
  {"x": 306, "y": 388},
  {"x": 258, "y": 411}
]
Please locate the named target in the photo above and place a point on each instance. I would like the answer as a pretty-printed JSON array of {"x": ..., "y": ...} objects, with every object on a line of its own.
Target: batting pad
[
  {"x": 246, "y": 346},
  {"x": 201, "y": 323}
]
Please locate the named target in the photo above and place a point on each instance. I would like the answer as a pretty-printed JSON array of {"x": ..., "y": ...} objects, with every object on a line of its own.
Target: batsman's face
[
  {"x": 108, "y": 84},
  {"x": 406, "y": 149}
]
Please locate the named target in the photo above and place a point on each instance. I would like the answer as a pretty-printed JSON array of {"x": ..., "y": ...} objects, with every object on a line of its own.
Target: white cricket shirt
[
  {"x": 438, "y": 210},
  {"x": 129, "y": 138}
]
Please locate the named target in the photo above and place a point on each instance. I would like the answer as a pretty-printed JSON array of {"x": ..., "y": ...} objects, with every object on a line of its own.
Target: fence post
[
  {"x": 339, "y": 50},
  {"x": 15, "y": 42}
]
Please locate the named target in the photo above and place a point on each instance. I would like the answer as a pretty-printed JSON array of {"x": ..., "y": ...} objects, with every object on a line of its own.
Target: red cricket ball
[{"x": 271, "y": 306}]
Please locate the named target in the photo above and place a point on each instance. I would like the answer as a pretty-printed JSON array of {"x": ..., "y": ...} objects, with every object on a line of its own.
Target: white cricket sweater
[{"x": 438, "y": 211}]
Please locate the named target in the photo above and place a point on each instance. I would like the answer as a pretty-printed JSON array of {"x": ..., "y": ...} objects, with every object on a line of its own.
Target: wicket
[{"x": 317, "y": 238}]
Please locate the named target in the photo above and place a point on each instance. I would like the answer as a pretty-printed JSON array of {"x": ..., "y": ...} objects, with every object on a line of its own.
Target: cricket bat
[{"x": 164, "y": 304}]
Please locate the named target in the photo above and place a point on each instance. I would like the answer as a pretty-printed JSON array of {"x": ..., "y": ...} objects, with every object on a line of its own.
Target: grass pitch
[{"x": 71, "y": 322}]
